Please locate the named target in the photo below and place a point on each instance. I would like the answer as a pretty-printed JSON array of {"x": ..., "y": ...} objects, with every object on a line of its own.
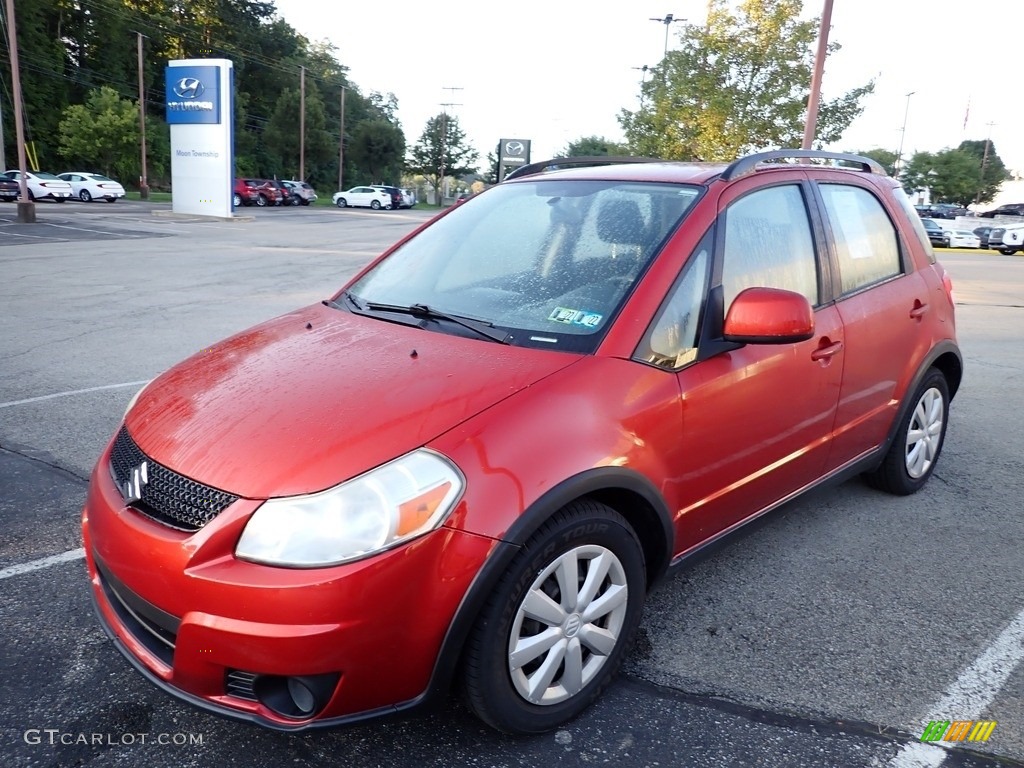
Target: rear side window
[{"x": 865, "y": 239}]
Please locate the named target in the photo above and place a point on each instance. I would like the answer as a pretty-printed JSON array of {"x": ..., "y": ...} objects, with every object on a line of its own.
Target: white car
[
  {"x": 43, "y": 186},
  {"x": 962, "y": 238},
  {"x": 362, "y": 197},
  {"x": 408, "y": 197},
  {"x": 92, "y": 186}
]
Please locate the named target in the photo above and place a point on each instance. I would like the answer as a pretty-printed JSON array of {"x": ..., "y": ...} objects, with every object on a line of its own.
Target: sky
[{"x": 553, "y": 71}]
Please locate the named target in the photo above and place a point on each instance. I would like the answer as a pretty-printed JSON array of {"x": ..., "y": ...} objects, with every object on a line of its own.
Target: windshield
[{"x": 550, "y": 261}]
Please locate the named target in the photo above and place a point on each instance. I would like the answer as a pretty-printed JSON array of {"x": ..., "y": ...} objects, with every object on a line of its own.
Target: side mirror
[{"x": 769, "y": 316}]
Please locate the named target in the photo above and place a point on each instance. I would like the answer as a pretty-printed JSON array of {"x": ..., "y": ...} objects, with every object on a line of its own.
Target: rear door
[{"x": 885, "y": 309}]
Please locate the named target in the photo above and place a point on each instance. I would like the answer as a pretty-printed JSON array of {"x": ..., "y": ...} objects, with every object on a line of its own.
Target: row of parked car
[
  {"x": 1005, "y": 239},
  {"x": 60, "y": 187},
  {"x": 263, "y": 192},
  {"x": 375, "y": 196}
]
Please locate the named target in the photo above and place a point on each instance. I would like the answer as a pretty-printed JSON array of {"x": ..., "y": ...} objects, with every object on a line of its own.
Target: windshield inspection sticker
[{"x": 575, "y": 317}]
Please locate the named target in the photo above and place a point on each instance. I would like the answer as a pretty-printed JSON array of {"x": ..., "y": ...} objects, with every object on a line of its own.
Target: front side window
[
  {"x": 865, "y": 239},
  {"x": 548, "y": 260},
  {"x": 768, "y": 244}
]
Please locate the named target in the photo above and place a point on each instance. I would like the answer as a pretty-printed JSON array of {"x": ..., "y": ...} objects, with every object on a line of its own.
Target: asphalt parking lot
[{"x": 827, "y": 635}]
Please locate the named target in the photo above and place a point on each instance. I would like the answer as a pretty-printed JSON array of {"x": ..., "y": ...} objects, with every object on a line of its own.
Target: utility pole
[
  {"x": 341, "y": 141},
  {"x": 444, "y": 141},
  {"x": 811, "y": 124},
  {"x": 903, "y": 133},
  {"x": 143, "y": 181},
  {"x": 984, "y": 163},
  {"x": 26, "y": 207},
  {"x": 302, "y": 123},
  {"x": 3, "y": 156}
]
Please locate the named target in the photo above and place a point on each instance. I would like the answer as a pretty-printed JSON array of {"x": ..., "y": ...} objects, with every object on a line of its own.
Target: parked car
[
  {"x": 942, "y": 210},
  {"x": 397, "y": 198},
  {"x": 474, "y": 459},
  {"x": 92, "y": 186},
  {"x": 1010, "y": 209},
  {"x": 283, "y": 193},
  {"x": 43, "y": 186},
  {"x": 963, "y": 238},
  {"x": 301, "y": 192},
  {"x": 408, "y": 197},
  {"x": 363, "y": 197},
  {"x": 1012, "y": 240},
  {"x": 9, "y": 189},
  {"x": 936, "y": 234},
  {"x": 982, "y": 233},
  {"x": 255, "y": 192}
]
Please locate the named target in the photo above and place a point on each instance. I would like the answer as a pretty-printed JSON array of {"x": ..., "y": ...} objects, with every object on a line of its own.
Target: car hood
[{"x": 312, "y": 398}]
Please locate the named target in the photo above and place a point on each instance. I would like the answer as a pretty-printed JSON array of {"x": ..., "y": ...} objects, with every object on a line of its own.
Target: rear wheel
[
  {"x": 84, "y": 196},
  {"x": 1008, "y": 251},
  {"x": 236, "y": 200},
  {"x": 375, "y": 204},
  {"x": 558, "y": 624},
  {"x": 261, "y": 200},
  {"x": 911, "y": 458}
]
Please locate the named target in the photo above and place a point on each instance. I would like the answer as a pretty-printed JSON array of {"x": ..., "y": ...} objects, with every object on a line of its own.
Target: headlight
[
  {"x": 135, "y": 398},
  {"x": 388, "y": 505}
]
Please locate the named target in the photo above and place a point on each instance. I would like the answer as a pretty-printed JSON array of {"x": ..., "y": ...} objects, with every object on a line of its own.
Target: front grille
[{"x": 167, "y": 497}]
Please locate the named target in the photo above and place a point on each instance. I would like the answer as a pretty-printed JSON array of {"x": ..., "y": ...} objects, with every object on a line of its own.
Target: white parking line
[
  {"x": 970, "y": 694},
  {"x": 27, "y": 400},
  {"x": 44, "y": 562}
]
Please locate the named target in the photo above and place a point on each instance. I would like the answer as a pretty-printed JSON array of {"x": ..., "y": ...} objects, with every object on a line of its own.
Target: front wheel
[
  {"x": 911, "y": 458},
  {"x": 261, "y": 200},
  {"x": 558, "y": 623},
  {"x": 84, "y": 196},
  {"x": 375, "y": 204},
  {"x": 341, "y": 202},
  {"x": 236, "y": 200}
]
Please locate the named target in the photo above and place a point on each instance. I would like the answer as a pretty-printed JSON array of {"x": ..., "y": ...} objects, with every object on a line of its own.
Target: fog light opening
[{"x": 296, "y": 698}]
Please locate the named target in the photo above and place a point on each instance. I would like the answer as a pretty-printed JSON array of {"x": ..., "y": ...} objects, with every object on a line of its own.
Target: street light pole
[
  {"x": 814, "y": 98},
  {"x": 903, "y": 133},
  {"x": 143, "y": 181},
  {"x": 667, "y": 21}
]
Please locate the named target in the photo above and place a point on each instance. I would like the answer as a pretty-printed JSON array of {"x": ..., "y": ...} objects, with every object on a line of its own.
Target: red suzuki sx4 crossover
[{"x": 473, "y": 461}]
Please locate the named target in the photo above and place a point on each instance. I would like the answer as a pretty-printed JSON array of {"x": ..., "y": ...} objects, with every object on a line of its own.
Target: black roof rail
[
  {"x": 557, "y": 163},
  {"x": 748, "y": 164}
]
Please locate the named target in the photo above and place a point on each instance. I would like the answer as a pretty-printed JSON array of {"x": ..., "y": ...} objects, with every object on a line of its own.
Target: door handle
[
  {"x": 827, "y": 350},
  {"x": 919, "y": 309}
]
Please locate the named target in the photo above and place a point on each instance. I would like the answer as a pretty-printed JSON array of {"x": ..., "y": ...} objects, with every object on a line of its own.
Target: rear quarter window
[{"x": 866, "y": 242}]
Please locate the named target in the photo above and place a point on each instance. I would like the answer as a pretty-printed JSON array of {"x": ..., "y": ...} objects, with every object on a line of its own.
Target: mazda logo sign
[
  {"x": 514, "y": 148},
  {"x": 188, "y": 88}
]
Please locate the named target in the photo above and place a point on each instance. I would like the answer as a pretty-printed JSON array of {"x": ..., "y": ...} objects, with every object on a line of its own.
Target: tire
[
  {"x": 375, "y": 204},
  {"x": 261, "y": 201},
  {"x": 915, "y": 450},
  {"x": 236, "y": 200},
  {"x": 111, "y": 199},
  {"x": 341, "y": 203},
  {"x": 60, "y": 199},
  {"x": 1008, "y": 251},
  {"x": 517, "y": 684},
  {"x": 305, "y": 202},
  {"x": 84, "y": 196}
]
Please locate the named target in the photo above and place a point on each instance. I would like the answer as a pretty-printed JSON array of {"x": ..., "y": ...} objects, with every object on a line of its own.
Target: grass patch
[{"x": 154, "y": 197}]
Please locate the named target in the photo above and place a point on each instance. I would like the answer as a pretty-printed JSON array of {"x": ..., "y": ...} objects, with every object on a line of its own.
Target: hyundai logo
[
  {"x": 188, "y": 88},
  {"x": 514, "y": 147},
  {"x": 138, "y": 478}
]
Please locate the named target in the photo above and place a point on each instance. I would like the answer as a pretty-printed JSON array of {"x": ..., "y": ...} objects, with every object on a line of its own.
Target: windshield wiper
[{"x": 479, "y": 327}]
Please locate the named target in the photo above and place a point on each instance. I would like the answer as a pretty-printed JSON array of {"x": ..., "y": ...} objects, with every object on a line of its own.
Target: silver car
[{"x": 300, "y": 191}]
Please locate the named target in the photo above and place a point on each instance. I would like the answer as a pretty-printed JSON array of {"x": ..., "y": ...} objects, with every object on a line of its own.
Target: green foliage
[
  {"x": 442, "y": 151},
  {"x": 378, "y": 146},
  {"x": 102, "y": 134},
  {"x": 952, "y": 175},
  {"x": 590, "y": 146},
  {"x": 884, "y": 157},
  {"x": 738, "y": 84},
  {"x": 992, "y": 172}
]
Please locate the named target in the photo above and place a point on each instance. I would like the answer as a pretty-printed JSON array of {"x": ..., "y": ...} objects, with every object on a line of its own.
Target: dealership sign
[
  {"x": 198, "y": 100},
  {"x": 512, "y": 153}
]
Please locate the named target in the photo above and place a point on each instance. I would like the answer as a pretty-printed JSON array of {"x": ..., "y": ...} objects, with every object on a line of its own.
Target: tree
[
  {"x": 442, "y": 151},
  {"x": 738, "y": 84},
  {"x": 378, "y": 146},
  {"x": 991, "y": 170},
  {"x": 951, "y": 175},
  {"x": 102, "y": 133},
  {"x": 884, "y": 157},
  {"x": 588, "y": 146}
]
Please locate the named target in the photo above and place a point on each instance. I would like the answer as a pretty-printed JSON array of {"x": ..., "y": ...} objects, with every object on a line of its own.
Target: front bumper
[{"x": 211, "y": 629}]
